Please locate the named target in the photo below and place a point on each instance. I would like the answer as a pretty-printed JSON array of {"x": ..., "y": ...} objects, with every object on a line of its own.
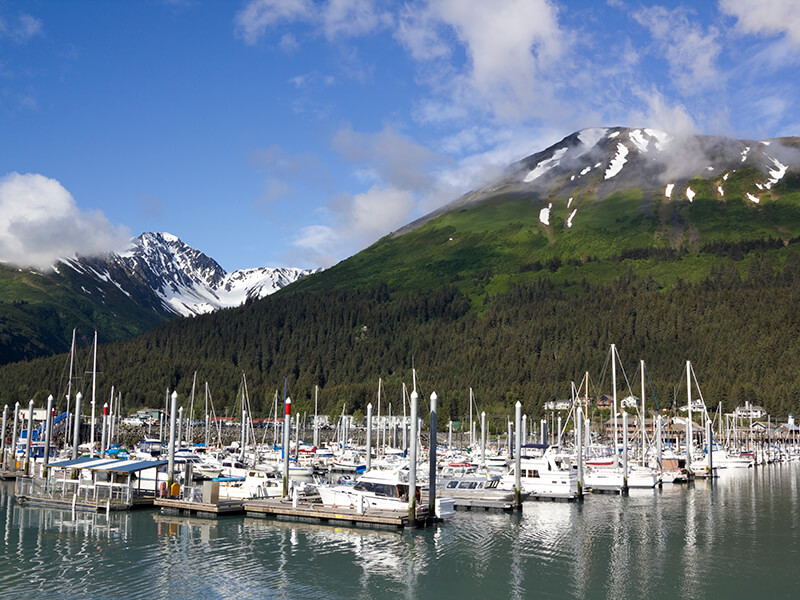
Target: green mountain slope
[{"x": 39, "y": 310}]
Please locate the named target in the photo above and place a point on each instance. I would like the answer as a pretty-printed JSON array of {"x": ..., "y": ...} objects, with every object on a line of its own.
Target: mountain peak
[
  {"x": 189, "y": 282},
  {"x": 599, "y": 161}
]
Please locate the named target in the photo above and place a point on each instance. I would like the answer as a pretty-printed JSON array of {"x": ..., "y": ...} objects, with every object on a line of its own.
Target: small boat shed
[{"x": 90, "y": 483}]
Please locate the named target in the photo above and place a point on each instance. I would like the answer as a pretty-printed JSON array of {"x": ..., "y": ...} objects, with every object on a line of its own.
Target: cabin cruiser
[
  {"x": 542, "y": 475},
  {"x": 612, "y": 479},
  {"x": 477, "y": 488},
  {"x": 377, "y": 489},
  {"x": 254, "y": 484}
]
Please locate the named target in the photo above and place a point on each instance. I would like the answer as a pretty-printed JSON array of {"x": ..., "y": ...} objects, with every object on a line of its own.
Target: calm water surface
[{"x": 736, "y": 538}]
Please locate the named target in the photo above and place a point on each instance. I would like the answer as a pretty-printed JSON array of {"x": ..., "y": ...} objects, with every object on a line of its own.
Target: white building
[
  {"x": 558, "y": 405},
  {"x": 630, "y": 402},
  {"x": 748, "y": 411}
]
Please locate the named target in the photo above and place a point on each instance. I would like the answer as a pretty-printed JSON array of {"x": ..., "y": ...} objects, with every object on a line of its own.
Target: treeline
[{"x": 527, "y": 344}]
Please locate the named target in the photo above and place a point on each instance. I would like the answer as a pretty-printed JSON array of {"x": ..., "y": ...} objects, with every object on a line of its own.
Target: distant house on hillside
[
  {"x": 558, "y": 405},
  {"x": 605, "y": 401},
  {"x": 750, "y": 411},
  {"x": 630, "y": 402},
  {"x": 789, "y": 429},
  {"x": 697, "y": 406}
]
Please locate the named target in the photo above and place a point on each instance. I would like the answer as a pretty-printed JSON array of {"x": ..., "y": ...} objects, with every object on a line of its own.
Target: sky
[{"x": 298, "y": 132}]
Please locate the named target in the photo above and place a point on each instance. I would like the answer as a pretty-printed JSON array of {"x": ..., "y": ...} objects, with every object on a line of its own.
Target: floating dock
[
  {"x": 314, "y": 512},
  {"x": 486, "y": 505},
  {"x": 209, "y": 509},
  {"x": 10, "y": 474}
]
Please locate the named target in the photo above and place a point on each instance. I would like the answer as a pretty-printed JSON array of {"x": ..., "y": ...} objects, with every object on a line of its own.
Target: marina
[{"x": 731, "y": 537}]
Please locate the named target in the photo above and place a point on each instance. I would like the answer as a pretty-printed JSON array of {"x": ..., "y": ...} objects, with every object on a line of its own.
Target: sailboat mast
[
  {"x": 191, "y": 413},
  {"x": 68, "y": 432},
  {"x": 316, "y": 420},
  {"x": 471, "y": 442},
  {"x": 644, "y": 417},
  {"x": 614, "y": 395},
  {"x": 378, "y": 429},
  {"x": 94, "y": 393},
  {"x": 689, "y": 420},
  {"x": 207, "y": 420}
]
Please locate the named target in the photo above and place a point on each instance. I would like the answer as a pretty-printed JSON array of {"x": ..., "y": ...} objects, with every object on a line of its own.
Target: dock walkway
[
  {"x": 181, "y": 506},
  {"x": 316, "y": 512}
]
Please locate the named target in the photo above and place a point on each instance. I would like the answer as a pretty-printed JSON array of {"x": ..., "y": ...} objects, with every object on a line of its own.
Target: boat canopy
[{"x": 106, "y": 464}]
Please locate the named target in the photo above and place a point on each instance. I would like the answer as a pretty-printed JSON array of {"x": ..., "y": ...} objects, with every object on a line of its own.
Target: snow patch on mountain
[
  {"x": 544, "y": 214},
  {"x": 571, "y": 216},
  {"x": 618, "y": 161},
  {"x": 544, "y": 166},
  {"x": 662, "y": 138},
  {"x": 639, "y": 140},
  {"x": 777, "y": 173}
]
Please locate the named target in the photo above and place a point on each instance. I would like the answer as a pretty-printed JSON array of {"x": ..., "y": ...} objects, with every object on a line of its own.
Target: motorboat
[
  {"x": 541, "y": 475},
  {"x": 475, "y": 488},
  {"x": 376, "y": 489}
]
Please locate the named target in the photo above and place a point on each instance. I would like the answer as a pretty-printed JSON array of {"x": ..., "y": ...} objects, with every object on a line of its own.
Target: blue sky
[{"x": 298, "y": 132}]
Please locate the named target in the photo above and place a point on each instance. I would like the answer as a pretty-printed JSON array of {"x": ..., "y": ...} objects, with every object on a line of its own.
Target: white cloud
[
  {"x": 20, "y": 29},
  {"x": 660, "y": 114},
  {"x": 358, "y": 220},
  {"x": 335, "y": 18},
  {"x": 511, "y": 46},
  {"x": 690, "y": 52},
  {"x": 345, "y": 18},
  {"x": 317, "y": 245},
  {"x": 40, "y": 223},
  {"x": 258, "y": 15},
  {"x": 765, "y": 18},
  {"x": 398, "y": 160}
]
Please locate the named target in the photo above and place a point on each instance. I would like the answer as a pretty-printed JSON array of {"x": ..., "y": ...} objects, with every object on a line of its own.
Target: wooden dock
[
  {"x": 486, "y": 505},
  {"x": 314, "y": 512},
  {"x": 10, "y": 474},
  {"x": 178, "y": 506}
]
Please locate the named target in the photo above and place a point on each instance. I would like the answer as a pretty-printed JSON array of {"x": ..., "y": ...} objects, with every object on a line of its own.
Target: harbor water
[{"x": 735, "y": 537}]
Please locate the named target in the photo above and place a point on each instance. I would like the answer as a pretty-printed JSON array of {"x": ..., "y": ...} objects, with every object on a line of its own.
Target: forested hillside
[{"x": 738, "y": 325}]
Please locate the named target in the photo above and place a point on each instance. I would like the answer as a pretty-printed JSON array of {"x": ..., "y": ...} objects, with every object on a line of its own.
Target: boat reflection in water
[{"x": 656, "y": 543}]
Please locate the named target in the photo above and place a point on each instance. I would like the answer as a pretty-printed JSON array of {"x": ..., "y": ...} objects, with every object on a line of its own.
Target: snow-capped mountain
[
  {"x": 599, "y": 161},
  {"x": 190, "y": 283}
]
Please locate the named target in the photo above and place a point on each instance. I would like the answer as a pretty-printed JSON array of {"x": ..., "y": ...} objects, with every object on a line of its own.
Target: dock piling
[
  {"x": 48, "y": 433},
  {"x": 171, "y": 464},
  {"x": 432, "y": 457},
  {"x": 28, "y": 440},
  {"x": 517, "y": 454},
  {"x": 3, "y": 435},
  {"x": 624, "y": 452},
  {"x": 369, "y": 436},
  {"x": 412, "y": 461},
  {"x": 76, "y": 432},
  {"x": 14, "y": 437},
  {"x": 287, "y": 435}
]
